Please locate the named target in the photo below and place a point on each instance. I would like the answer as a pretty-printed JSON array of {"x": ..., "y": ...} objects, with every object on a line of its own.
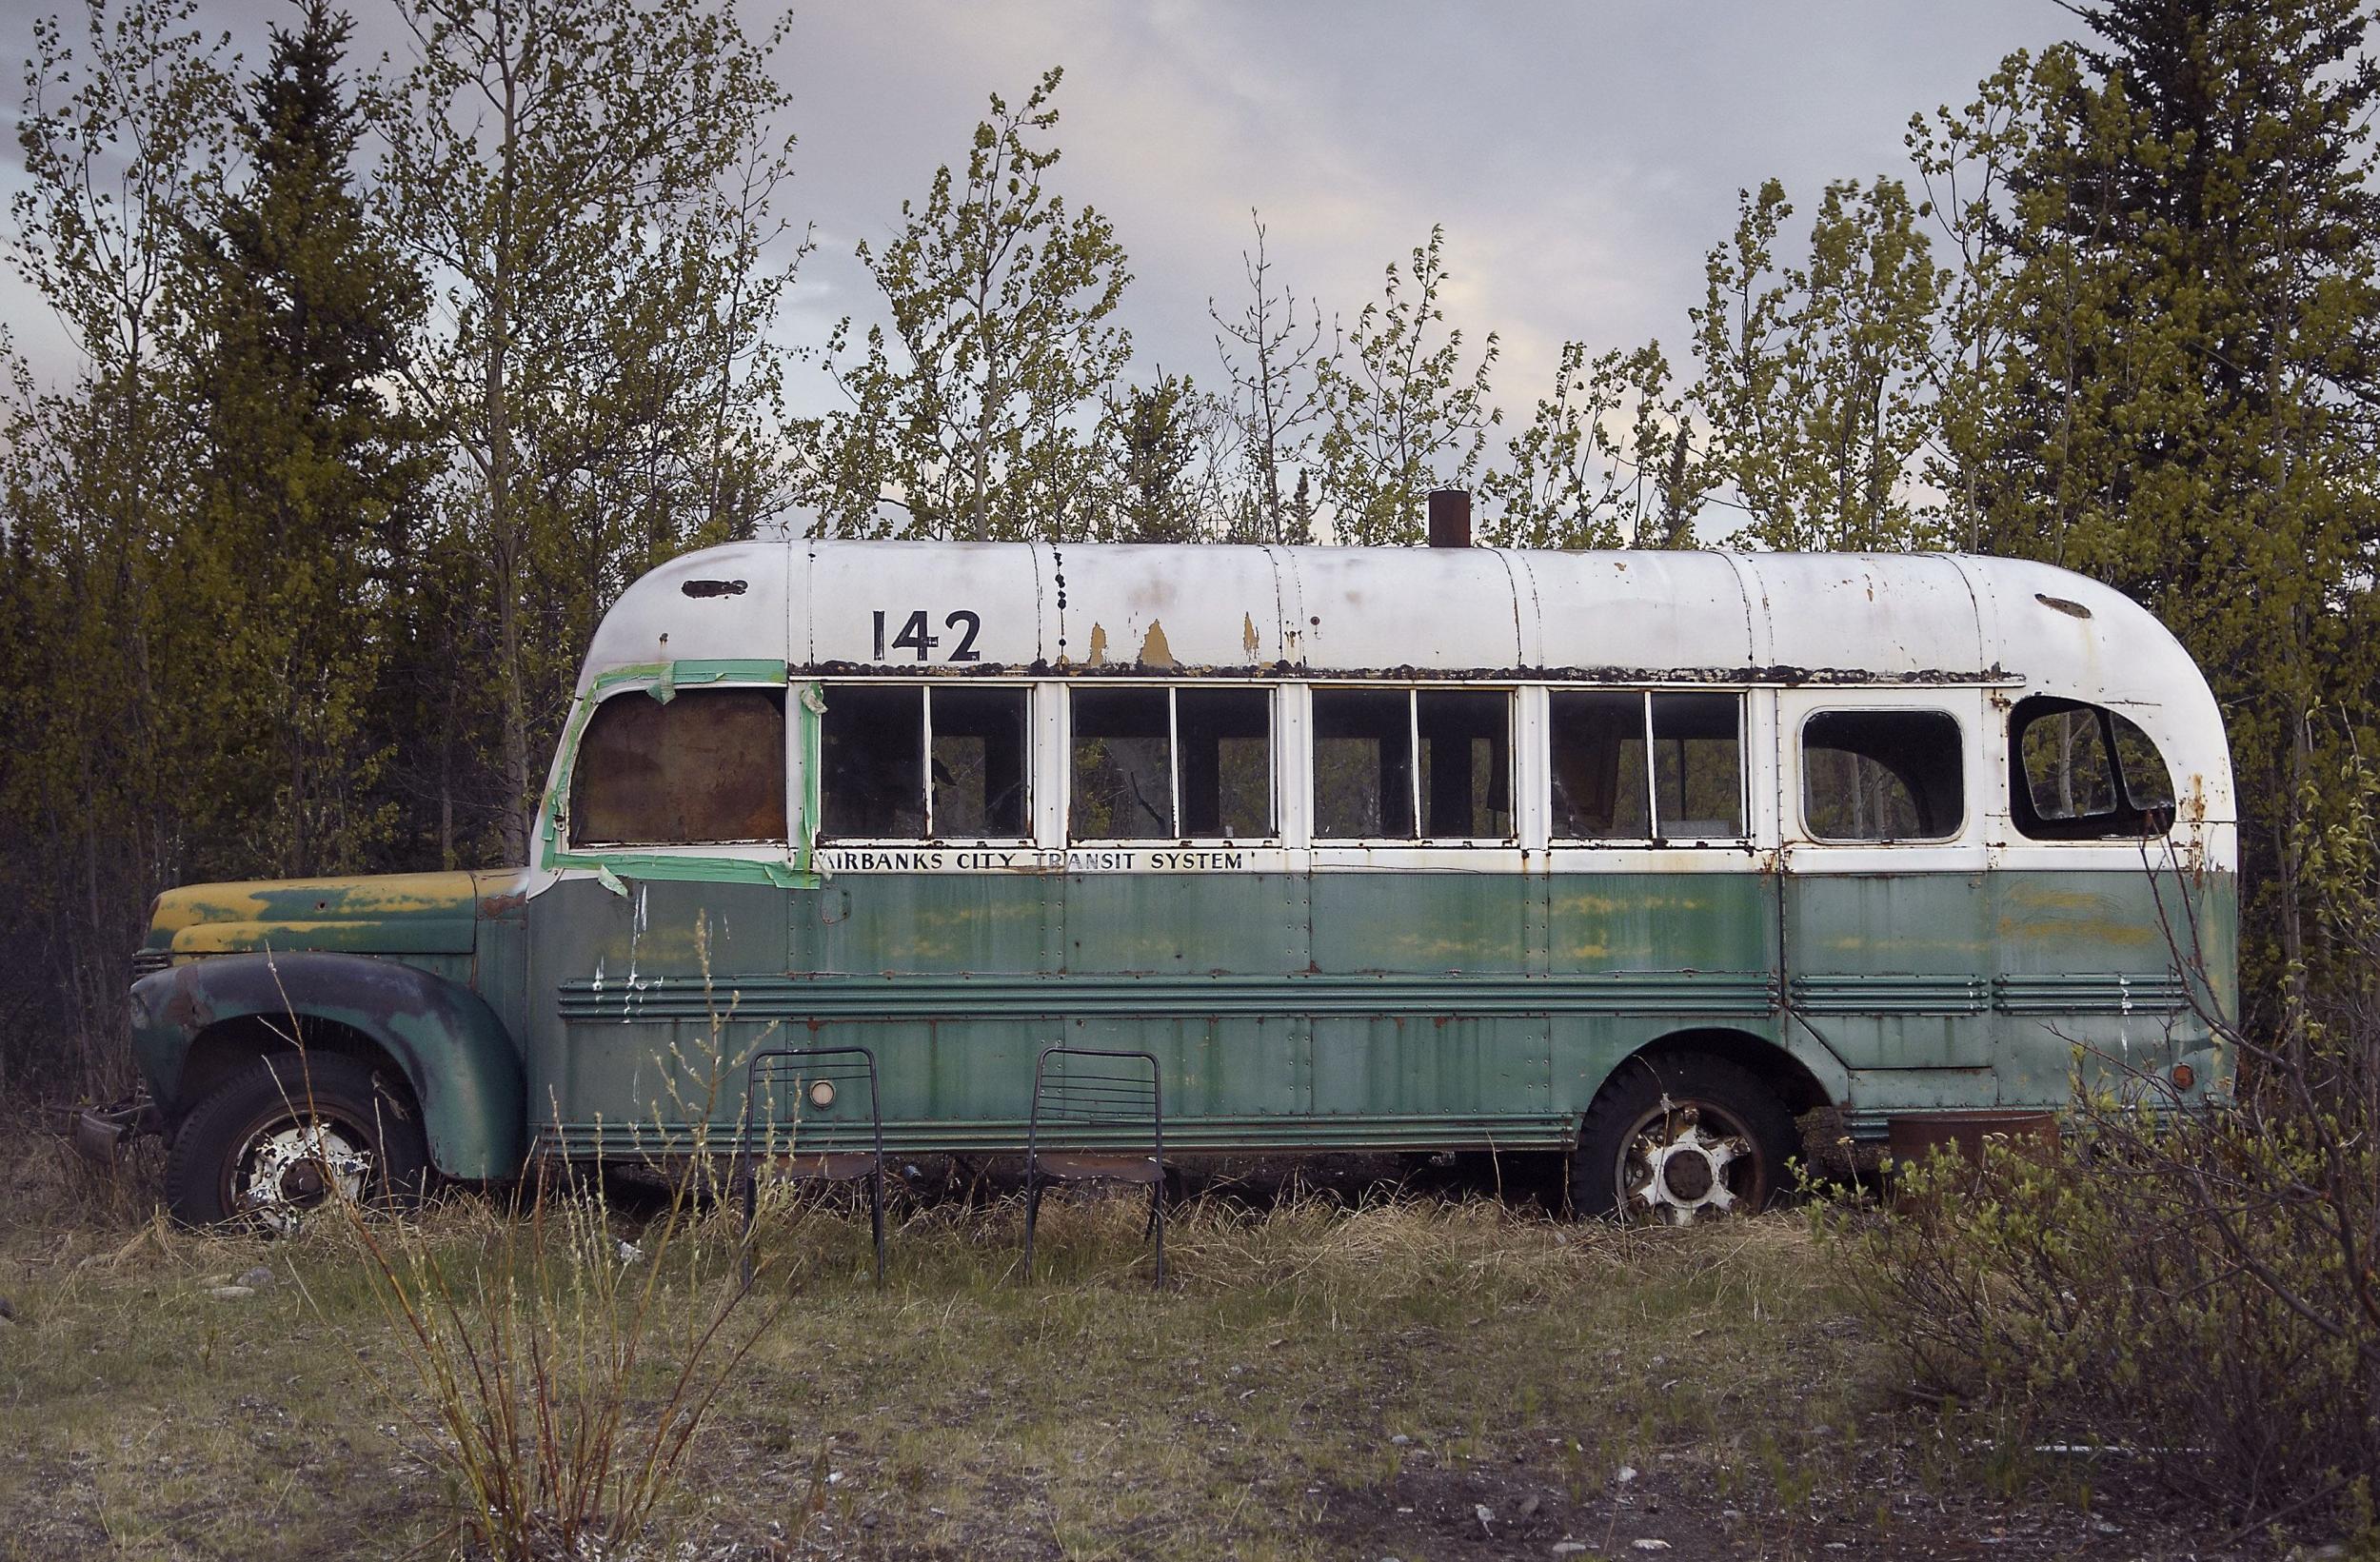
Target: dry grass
[{"x": 1318, "y": 1381}]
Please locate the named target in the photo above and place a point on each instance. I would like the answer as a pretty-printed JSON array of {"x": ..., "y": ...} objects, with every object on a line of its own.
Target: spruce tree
[
  {"x": 298, "y": 557},
  {"x": 2185, "y": 406}
]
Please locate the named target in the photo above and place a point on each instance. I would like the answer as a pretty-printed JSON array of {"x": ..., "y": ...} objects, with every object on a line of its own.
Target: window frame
[
  {"x": 1964, "y": 770},
  {"x": 1028, "y": 771},
  {"x": 1515, "y": 737},
  {"x": 2126, "y": 823},
  {"x": 564, "y": 847},
  {"x": 1273, "y": 727},
  {"x": 1644, "y": 695}
]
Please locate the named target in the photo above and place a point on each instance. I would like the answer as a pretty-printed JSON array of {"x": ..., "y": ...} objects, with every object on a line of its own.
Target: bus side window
[
  {"x": 1597, "y": 749},
  {"x": 708, "y": 767},
  {"x": 1224, "y": 741},
  {"x": 2079, "y": 772},
  {"x": 1123, "y": 765},
  {"x": 1466, "y": 762},
  {"x": 871, "y": 747},
  {"x": 982, "y": 762},
  {"x": 1697, "y": 766},
  {"x": 1362, "y": 764},
  {"x": 1882, "y": 775}
]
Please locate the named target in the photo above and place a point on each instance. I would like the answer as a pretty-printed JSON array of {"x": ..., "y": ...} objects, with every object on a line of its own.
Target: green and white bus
[{"x": 1628, "y": 855}]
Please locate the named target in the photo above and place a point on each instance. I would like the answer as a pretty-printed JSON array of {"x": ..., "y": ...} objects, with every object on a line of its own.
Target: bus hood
[{"x": 386, "y": 914}]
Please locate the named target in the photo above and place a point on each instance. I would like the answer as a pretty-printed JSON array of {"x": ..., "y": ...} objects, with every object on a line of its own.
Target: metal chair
[
  {"x": 816, "y": 1084},
  {"x": 1093, "y": 1091}
]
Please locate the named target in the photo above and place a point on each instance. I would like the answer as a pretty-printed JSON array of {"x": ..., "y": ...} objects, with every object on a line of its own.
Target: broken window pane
[
  {"x": 1123, "y": 765},
  {"x": 1882, "y": 775},
  {"x": 871, "y": 748},
  {"x": 2067, "y": 774},
  {"x": 2148, "y": 784},
  {"x": 707, "y": 766},
  {"x": 1226, "y": 757},
  {"x": 1697, "y": 766},
  {"x": 1362, "y": 764},
  {"x": 1466, "y": 762},
  {"x": 1597, "y": 749},
  {"x": 982, "y": 750}
]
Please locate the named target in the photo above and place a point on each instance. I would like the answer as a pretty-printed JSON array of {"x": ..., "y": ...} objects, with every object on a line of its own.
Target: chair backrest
[
  {"x": 790, "y": 1088},
  {"x": 1090, "y": 1087}
]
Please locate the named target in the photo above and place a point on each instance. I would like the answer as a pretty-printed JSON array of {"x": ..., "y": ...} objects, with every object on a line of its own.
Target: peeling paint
[{"x": 1154, "y": 651}]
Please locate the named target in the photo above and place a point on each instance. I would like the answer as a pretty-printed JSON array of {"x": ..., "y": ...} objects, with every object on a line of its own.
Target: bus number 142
[{"x": 913, "y": 636}]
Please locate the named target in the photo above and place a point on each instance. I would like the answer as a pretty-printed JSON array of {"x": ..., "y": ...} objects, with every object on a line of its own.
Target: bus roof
[{"x": 1212, "y": 609}]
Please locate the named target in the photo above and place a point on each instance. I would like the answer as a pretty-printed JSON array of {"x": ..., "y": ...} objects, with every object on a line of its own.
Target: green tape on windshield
[{"x": 663, "y": 680}]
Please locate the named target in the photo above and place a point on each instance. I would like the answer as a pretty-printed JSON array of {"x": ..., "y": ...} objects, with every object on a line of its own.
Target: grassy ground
[{"x": 1347, "y": 1374}]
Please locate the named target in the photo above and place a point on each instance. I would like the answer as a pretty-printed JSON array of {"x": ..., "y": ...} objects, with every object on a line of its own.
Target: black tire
[
  {"x": 1678, "y": 1138},
  {"x": 266, "y": 1143}
]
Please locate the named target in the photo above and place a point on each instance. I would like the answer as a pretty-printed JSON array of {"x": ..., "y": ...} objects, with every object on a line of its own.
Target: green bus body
[{"x": 599, "y": 1002}]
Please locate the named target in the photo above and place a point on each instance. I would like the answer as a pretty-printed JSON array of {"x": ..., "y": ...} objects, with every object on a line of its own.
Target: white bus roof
[{"x": 1212, "y": 609}]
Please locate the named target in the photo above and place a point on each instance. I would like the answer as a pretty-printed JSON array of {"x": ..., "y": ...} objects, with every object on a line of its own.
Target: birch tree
[{"x": 978, "y": 411}]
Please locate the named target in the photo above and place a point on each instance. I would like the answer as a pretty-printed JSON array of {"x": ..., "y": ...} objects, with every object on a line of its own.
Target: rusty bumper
[{"x": 100, "y": 1133}]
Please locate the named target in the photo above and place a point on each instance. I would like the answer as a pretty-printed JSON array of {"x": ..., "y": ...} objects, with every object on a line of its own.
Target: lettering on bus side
[{"x": 1026, "y": 860}]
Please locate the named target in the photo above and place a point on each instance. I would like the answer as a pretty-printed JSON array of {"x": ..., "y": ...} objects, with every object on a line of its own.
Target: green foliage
[
  {"x": 1403, "y": 413},
  {"x": 2175, "y": 327},
  {"x": 980, "y": 414},
  {"x": 1813, "y": 375},
  {"x": 268, "y": 542},
  {"x": 1274, "y": 402},
  {"x": 591, "y": 182},
  {"x": 301, "y": 532},
  {"x": 1172, "y": 458},
  {"x": 1575, "y": 478},
  {"x": 126, "y": 133}
]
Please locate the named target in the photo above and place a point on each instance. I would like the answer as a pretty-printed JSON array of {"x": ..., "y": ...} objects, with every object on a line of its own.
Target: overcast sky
[{"x": 1581, "y": 156}]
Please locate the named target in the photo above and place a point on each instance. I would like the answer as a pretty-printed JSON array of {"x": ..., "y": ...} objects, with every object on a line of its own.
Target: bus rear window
[
  {"x": 2083, "y": 773},
  {"x": 1882, "y": 775},
  {"x": 708, "y": 767}
]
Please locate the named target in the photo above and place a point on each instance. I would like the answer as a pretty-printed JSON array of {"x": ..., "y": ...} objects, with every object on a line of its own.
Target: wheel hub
[
  {"x": 299, "y": 1167},
  {"x": 1676, "y": 1166}
]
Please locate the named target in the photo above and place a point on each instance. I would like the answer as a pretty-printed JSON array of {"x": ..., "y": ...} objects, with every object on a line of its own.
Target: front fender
[{"x": 464, "y": 1068}]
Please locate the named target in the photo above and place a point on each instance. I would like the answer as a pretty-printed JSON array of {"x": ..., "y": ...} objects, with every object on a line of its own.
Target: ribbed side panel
[
  {"x": 1013, "y": 997},
  {"x": 582, "y": 1141}
]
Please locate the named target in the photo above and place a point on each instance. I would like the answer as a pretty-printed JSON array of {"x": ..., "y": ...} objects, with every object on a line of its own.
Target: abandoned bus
[{"x": 1630, "y": 855}]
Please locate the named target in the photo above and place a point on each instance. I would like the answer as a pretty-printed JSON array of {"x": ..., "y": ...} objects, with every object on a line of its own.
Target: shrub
[{"x": 2197, "y": 1289}]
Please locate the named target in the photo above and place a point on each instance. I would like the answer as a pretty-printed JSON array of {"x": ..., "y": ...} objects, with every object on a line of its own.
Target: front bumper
[{"x": 100, "y": 1133}]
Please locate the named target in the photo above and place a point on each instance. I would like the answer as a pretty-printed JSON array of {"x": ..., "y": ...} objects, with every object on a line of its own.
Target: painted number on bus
[{"x": 914, "y": 636}]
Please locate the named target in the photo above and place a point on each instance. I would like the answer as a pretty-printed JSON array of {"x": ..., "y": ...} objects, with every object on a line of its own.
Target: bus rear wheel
[{"x": 1677, "y": 1140}]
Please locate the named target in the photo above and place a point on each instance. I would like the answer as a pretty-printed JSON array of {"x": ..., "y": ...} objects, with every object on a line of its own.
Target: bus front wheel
[
  {"x": 1680, "y": 1139},
  {"x": 290, "y": 1134}
]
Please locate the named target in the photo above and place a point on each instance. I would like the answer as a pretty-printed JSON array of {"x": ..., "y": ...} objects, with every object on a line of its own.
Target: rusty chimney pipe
[{"x": 1450, "y": 518}]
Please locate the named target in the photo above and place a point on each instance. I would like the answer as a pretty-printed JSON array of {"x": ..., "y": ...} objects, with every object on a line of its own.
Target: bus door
[{"x": 1884, "y": 910}]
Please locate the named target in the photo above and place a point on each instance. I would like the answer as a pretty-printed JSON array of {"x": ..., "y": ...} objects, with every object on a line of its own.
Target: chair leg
[
  {"x": 1157, "y": 1221},
  {"x": 876, "y": 1218},
  {"x": 1032, "y": 1214},
  {"x": 750, "y": 1191}
]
